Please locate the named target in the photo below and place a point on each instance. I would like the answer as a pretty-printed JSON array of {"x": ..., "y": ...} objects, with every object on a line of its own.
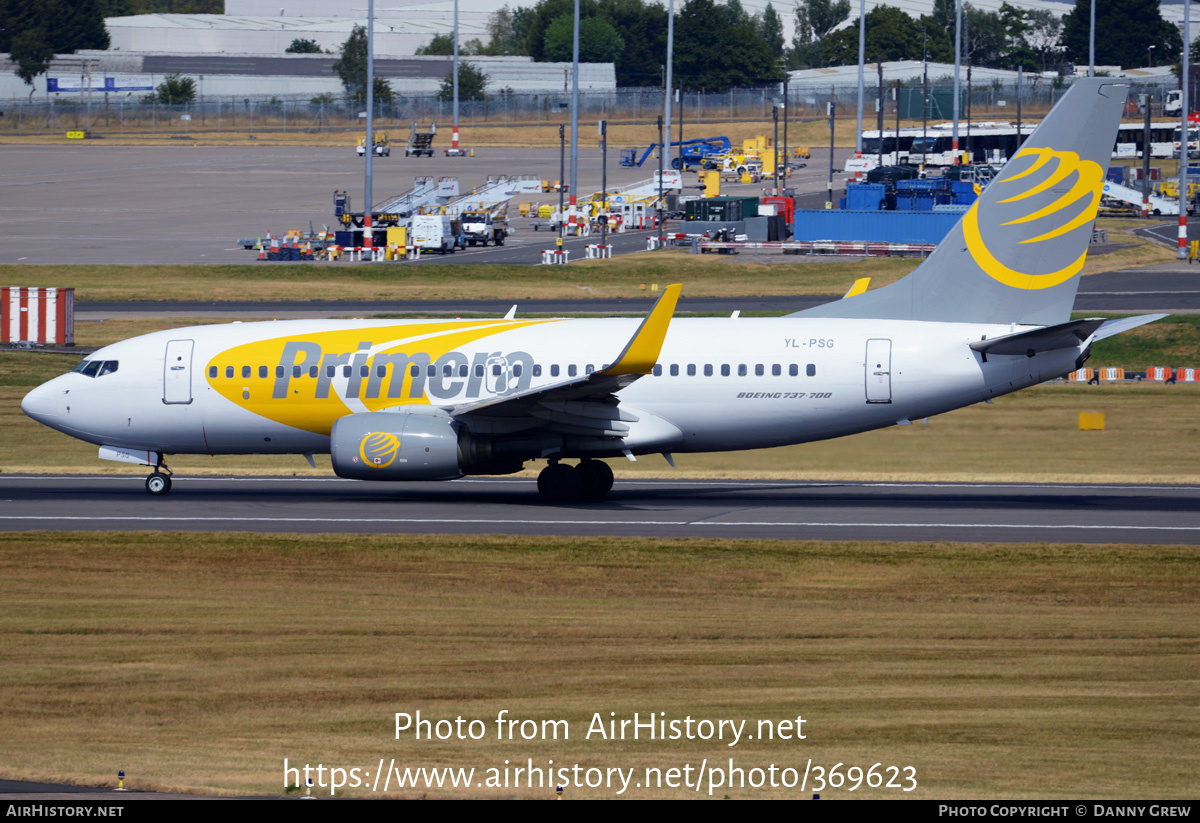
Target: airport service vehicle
[
  {"x": 420, "y": 142},
  {"x": 383, "y": 146},
  {"x": 435, "y": 232},
  {"x": 987, "y": 313},
  {"x": 483, "y": 227},
  {"x": 691, "y": 152},
  {"x": 1173, "y": 104}
]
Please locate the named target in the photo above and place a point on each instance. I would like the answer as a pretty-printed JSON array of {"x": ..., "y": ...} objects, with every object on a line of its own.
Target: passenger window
[
  {"x": 674, "y": 369},
  {"x": 516, "y": 370},
  {"x": 447, "y": 370},
  {"x": 295, "y": 371},
  {"x": 279, "y": 371},
  {"x": 691, "y": 369},
  {"x": 657, "y": 370},
  {"x": 212, "y": 370},
  {"x": 228, "y": 371},
  {"x": 462, "y": 370},
  {"x": 742, "y": 372},
  {"x": 364, "y": 371},
  {"x": 330, "y": 371},
  {"x": 776, "y": 370},
  {"x": 537, "y": 370},
  {"x": 262, "y": 371},
  {"x": 759, "y": 371},
  {"x": 793, "y": 370},
  {"x": 108, "y": 367},
  {"x": 496, "y": 370},
  {"x": 589, "y": 368},
  {"x": 381, "y": 371},
  {"x": 312, "y": 371},
  {"x": 708, "y": 371},
  {"x": 724, "y": 369},
  {"x": 245, "y": 371},
  {"x": 811, "y": 370},
  {"x": 431, "y": 371},
  {"x": 414, "y": 370},
  {"x": 479, "y": 370},
  {"x": 347, "y": 371},
  {"x": 571, "y": 370},
  {"x": 554, "y": 370}
]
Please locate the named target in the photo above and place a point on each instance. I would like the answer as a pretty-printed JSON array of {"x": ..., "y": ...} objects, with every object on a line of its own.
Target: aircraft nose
[{"x": 39, "y": 404}]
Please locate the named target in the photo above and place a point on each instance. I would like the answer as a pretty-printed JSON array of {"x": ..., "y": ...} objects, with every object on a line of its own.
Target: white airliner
[{"x": 986, "y": 314}]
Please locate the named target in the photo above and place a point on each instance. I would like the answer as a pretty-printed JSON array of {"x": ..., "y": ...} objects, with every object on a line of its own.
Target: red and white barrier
[
  {"x": 1158, "y": 373},
  {"x": 1187, "y": 375},
  {"x": 652, "y": 242},
  {"x": 1111, "y": 373},
  {"x": 36, "y": 315},
  {"x": 596, "y": 250},
  {"x": 1081, "y": 376},
  {"x": 554, "y": 257}
]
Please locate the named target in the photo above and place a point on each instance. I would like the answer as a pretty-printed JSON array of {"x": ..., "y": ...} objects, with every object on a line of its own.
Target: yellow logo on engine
[
  {"x": 1086, "y": 188},
  {"x": 379, "y": 449}
]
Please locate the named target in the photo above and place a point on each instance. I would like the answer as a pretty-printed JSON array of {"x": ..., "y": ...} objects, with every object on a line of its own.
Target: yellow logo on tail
[{"x": 1087, "y": 187}]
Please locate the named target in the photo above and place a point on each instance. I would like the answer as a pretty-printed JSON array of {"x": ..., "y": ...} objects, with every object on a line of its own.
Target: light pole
[{"x": 1149, "y": 57}]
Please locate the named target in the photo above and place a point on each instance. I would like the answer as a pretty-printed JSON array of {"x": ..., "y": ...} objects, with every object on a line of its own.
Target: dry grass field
[{"x": 993, "y": 671}]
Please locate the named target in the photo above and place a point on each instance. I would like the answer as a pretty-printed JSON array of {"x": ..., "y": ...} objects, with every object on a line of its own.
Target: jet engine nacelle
[{"x": 395, "y": 446}]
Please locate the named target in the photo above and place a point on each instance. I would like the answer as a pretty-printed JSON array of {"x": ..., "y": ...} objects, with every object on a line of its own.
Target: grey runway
[{"x": 721, "y": 509}]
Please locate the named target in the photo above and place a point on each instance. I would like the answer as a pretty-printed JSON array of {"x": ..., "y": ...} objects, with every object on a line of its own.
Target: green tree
[
  {"x": 643, "y": 29},
  {"x": 712, "y": 55},
  {"x": 598, "y": 40},
  {"x": 891, "y": 35},
  {"x": 814, "y": 20},
  {"x": 351, "y": 68},
  {"x": 32, "y": 54},
  {"x": 985, "y": 38},
  {"x": 770, "y": 29},
  {"x": 303, "y": 46},
  {"x": 440, "y": 44},
  {"x": 66, "y": 25},
  {"x": 1125, "y": 29},
  {"x": 175, "y": 89},
  {"x": 472, "y": 84},
  {"x": 503, "y": 37}
]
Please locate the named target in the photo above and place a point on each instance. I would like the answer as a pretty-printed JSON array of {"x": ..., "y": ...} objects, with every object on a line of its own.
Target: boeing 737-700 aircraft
[{"x": 986, "y": 314}]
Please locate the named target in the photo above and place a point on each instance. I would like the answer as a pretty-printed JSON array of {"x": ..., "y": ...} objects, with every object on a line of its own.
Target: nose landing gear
[
  {"x": 159, "y": 483},
  {"x": 561, "y": 483}
]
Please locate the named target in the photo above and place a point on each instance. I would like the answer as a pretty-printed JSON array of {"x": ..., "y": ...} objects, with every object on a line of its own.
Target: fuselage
[{"x": 720, "y": 384}]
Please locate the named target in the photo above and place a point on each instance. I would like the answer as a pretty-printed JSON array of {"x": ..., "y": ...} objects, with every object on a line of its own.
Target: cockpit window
[{"x": 96, "y": 368}]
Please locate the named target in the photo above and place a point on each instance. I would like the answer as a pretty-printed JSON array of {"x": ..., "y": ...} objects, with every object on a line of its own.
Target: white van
[{"x": 434, "y": 232}]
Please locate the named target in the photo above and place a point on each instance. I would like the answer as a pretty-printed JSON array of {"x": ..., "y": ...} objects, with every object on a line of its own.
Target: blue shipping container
[
  {"x": 874, "y": 226},
  {"x": 865, "y": 196}
]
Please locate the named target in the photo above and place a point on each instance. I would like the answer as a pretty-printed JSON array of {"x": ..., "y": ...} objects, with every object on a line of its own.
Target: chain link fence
[{"x": 128, "y": 114}]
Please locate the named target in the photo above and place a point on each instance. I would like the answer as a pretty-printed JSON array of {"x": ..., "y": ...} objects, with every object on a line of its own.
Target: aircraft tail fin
[{"x": 1016, "y": 255}]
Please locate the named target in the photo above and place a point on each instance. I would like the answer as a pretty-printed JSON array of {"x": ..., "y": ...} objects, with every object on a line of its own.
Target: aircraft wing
[{"x": 585, "y": 405}]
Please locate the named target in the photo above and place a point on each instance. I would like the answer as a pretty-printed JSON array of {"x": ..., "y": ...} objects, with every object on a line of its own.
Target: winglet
[
  {"x": 641, "y": 352},
  {"x": 860, "y": 286}
]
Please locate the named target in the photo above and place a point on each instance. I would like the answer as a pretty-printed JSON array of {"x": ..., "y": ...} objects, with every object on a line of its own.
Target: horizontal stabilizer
[
  {"x": 1047, "y": 338},
  {"x": 1119, "y": 325}
]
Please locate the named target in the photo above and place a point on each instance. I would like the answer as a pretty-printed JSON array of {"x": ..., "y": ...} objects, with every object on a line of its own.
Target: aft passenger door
[
  {"x": 177, "y": 372},
  {"x": 879, "y": 371}
]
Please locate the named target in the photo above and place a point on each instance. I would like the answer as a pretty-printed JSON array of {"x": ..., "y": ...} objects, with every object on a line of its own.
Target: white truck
[
  {"x": 483, "y": 227},
  {"x": 1173, "y": 104},
  {"x": 435, "y": 232}
]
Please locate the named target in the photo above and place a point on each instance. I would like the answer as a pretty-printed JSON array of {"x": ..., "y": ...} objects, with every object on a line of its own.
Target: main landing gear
[
  {"x": 159, "y": 483},
  {"x": 561, "y": 483}
]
